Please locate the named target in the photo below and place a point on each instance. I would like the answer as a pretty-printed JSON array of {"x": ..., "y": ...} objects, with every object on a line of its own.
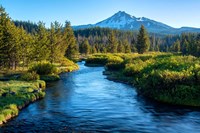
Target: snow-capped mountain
[{"x": 123, "y": 21}]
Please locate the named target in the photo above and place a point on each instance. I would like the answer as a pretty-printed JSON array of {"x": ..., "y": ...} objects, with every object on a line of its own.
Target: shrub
[
  {"x": 96, "y": 60},
  {"x": 114, "y": 63},
  {"x": 44, "y": 68},
  {"x": 14, "y": 109},
  {"x": 30, "y": 76},
  {"x": 7, "y": 112},
  {"x": 2, "y": 118},
  {"x": 38, "y": 84}
]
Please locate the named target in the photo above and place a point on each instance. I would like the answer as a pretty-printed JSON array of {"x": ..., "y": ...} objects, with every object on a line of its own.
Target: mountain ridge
[{"x": 124, "y": 21}]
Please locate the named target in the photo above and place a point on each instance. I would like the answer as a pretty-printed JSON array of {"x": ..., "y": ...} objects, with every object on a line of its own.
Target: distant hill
[{"x": 123, "y": 21}]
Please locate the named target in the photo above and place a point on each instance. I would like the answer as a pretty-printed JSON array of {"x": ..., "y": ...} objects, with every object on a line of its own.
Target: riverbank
[
  {"x": 15, "y": 95},
  {"x": 50, "y": 72},
  {"x": 164, "y": 77},
  {"x": 47, "y": 71},
  {"x": 20, "y": 88}
]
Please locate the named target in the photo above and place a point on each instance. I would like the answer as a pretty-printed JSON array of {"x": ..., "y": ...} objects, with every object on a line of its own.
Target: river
[{"x": 85, "y": 101}]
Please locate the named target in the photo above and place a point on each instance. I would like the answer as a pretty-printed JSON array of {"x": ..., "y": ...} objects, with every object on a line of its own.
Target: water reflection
[{"x": 85, "y": 101}]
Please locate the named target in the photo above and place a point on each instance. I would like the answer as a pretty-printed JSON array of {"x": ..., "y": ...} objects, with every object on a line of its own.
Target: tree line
[
  {"x": 100, "y": 40},
  {"x": 93, "y": 40},
  {"x": 19, "y": 47},
  {"x": 104, "y": 40},
  {"x": 24, "y": 42}
]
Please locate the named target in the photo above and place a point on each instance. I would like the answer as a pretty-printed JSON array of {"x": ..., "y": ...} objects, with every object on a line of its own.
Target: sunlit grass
[
  {"x": 165, "y": 77},
  {"x": 14, "y": 95}
]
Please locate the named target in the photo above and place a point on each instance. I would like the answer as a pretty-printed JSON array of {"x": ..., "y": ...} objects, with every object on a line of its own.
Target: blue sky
[{"x": 176, "y": 13}]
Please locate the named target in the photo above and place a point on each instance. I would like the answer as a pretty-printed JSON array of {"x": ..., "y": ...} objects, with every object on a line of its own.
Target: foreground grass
[
  {"x": 14, "y": 95},
  {"x": 165, "y": 77},
  {"x": 20, "y": 87}
]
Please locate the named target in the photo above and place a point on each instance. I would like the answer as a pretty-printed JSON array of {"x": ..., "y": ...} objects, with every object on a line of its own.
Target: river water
[{"x": 85, "y": 101}]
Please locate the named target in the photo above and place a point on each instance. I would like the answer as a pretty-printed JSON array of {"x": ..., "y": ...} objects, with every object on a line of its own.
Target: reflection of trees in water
[{"x": 165, "y": 113}]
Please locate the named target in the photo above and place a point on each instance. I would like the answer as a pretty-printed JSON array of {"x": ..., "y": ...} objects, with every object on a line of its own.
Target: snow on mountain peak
[
  {"x": 122, "y": 20},
  {"x": 118, "y": 20},
  {"x": 123, "y": 13},
  {"x": 140, "y": 19}
]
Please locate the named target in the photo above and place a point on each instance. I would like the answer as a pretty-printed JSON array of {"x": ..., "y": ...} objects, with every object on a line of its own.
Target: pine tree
[
  {"x": 81, "y": 48},
  {"x": 176, "y": 46},
  {"x": 70, "y": 41},
  {"x": 25, "y": 49},
  {"x": 9, "y": 41},
  {"x": 143, "y": 42},
  {"x": 104, "y": 50},
  {"x": 120, "y": 48},
  {"x": 41, "y": 51},
  {"x": 13, "y": 44},
  {"x": 157, "y": 48},
  {"x": 112, "y": 43},
  {"x": 93, "y": 49},
  {"x": 86, "y": 47},
  {"x": 133, "y": 45},
  {"x": 185, "y": 47},
  {"x": 127, "y": 46},
  {"x": 153, "y": 43},
  {"x": 56, "y": 43},
  {"x": 4, "y": 20},
  {"x": 197, "y": 43}
]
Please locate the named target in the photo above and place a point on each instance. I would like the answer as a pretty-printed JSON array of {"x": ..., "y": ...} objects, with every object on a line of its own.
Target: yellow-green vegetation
[
  {"x": 14, "y": 95},
  {"x": 103, "y": 59},
  {"x": 165, "y": 77},
  {"x": 40, "y": 70},
  {"x": 66, "y": 65},
  {"x": 48, "y": 71},
  {"x": 30, "y": 76}
]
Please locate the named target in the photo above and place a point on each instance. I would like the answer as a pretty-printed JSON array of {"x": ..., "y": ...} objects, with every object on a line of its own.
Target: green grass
[
  {"x": 66, "y": 65},
  {"x": 18, "y": 94},
  {"x": 24, "y": 88},
  {"x": 165, "y": 77},
  {"x": 39, "y": 70}
]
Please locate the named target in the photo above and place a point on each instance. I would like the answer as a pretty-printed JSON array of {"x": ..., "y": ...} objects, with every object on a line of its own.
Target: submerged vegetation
[{"x": 165, "y": 77}]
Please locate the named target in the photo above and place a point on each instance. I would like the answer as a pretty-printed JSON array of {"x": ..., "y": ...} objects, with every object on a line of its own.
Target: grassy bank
[
  {"x": 50, "y": 72},
  {"x": 15, "y": 95},
  {"x": 46, "y": 70},
  {"x": 165, "y": 77},
  {"x": 21, "y": 87}
]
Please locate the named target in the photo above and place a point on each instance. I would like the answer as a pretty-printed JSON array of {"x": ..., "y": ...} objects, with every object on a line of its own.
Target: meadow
[
  {"x": 15, "y": 95},
  {"x": 164, "y": 77}
]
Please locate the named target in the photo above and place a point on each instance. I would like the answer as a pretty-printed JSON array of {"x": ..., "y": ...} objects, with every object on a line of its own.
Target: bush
[
  {"x": 44, "y": 68},
  {"x": 2, "y": 118},
  {"x": 30, "y": 76},
  {"x": 96, "y": 60},
  {"x": 114, "y": 63},
  {"x": 7, "y": 112}
]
